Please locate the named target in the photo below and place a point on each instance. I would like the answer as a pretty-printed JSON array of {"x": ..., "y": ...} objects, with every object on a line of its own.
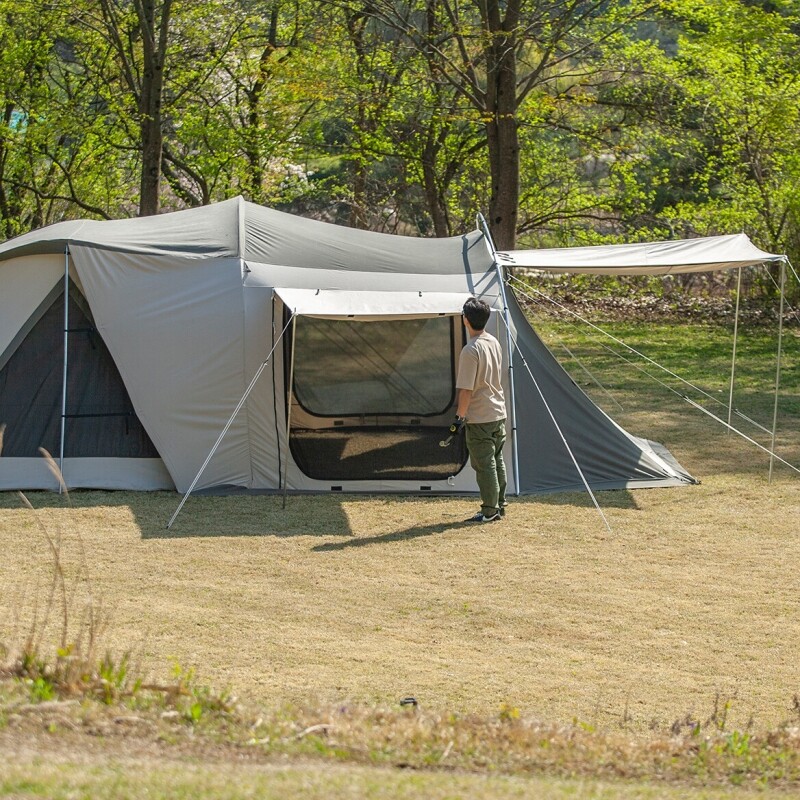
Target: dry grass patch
[
  {"x": 541, "y": 644},
  {"x": 691, "y": 601}
]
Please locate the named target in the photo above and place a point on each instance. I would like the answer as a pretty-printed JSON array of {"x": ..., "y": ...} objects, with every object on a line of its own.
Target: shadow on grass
[
  {"x": 394, "y": 536},
  {"x": 206, "y": 516}
]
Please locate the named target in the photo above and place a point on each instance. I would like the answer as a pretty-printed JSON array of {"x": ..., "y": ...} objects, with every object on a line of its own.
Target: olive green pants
[{"x": 485, "y": 442}]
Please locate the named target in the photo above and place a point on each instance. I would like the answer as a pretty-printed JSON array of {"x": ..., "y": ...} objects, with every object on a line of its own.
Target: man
[{"x": 482, "y": 409}]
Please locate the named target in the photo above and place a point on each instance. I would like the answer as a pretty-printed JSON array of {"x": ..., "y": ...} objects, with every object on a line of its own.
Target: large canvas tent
[{"x": 126, "y": 345}]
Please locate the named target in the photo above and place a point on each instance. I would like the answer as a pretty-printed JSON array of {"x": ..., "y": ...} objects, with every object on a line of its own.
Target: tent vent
[{"x": 336, "y": 488}]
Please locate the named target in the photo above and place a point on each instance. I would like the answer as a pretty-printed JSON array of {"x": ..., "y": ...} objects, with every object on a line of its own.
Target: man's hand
[{"x": 457, "y": 425}]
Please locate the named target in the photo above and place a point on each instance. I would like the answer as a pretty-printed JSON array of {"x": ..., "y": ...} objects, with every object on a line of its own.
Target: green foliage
[{"x": 634, "y": 120}]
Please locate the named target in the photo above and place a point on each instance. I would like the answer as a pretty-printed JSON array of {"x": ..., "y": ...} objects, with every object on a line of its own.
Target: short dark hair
[{"x": 477, "y": 313}]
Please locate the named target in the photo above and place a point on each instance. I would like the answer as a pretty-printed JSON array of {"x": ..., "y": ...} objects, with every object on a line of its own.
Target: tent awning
[
  {"x": 648, "y": 258},
  {"x": 342, "y": 304}
]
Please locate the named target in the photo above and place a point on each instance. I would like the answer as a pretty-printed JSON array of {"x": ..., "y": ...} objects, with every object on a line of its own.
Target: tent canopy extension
[
  {"x": 168, "y": 319},
  {"x": 645, "y": 258}
]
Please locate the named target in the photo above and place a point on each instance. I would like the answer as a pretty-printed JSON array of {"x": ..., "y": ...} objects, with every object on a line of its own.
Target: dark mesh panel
[
  {"x": 396, "y": 453},
  {"x": 397, "y": 367},
  {"x": 100, "y": 418},
  {"x": 373, "y": 370}
]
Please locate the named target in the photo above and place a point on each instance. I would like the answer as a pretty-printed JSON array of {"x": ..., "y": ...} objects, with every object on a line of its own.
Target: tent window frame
[{"x": 394, "y": 414}]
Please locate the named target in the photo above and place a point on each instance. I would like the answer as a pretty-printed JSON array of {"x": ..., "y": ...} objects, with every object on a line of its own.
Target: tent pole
[
  {"x": 288, "y": 412},
  {"x": 735, "y": 339},
  {"x": 510, "y": 348},
  {"x": 228, "y": 425},
  {"x": 61, "y": 483},
  {"x": 777, "y": 369}
]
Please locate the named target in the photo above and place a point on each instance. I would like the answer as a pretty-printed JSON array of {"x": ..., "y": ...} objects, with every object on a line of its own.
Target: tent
[{"x": 326, "y": 355}]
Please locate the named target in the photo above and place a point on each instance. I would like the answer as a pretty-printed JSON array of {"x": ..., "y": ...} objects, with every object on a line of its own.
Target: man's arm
[{"x": 464, "y": 398}]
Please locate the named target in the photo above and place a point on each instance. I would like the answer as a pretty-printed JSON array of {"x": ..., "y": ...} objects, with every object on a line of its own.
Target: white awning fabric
[
  {"x": 340, "y": 304},
  {"x": 648, "y": 258}
]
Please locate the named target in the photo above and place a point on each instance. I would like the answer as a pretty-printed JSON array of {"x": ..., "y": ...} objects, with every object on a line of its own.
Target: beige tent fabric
[{"x": 339, "y": 304}]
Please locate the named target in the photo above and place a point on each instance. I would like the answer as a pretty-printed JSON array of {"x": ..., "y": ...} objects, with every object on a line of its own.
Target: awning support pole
[
  {"x": 62, "y": 483},
  {"x": 735, "y": 339},
  {"x": 288, "y": 413},
  {"x": 510, "y": 347},
  {"x": 777, "y": 370},
  {"x": 228, "y": 424}
]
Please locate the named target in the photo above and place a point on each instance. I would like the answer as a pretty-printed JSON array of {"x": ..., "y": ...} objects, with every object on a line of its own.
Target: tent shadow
[
  {"x": 408, "y": 534},
  {"x": 239, "y": 516},
  {"x": 204, "y": 516},
  {"x": 607, "y": 498}
]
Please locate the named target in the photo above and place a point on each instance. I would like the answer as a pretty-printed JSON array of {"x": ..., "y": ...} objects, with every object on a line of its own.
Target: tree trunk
[
  {"x": 154, "y": 44},
  {"x": 501, "y": 128},
  {"x": 433, "y": 197}
]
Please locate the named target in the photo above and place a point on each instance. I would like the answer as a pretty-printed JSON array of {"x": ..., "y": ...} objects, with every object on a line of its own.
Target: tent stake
[
  {"x": 735, "y": 339},
  {"x": 64, "y": 371},
  {"x": 228, "y": 425},
  {"x": 777, "y": 370},
  {"x": 288, "y": 413}
]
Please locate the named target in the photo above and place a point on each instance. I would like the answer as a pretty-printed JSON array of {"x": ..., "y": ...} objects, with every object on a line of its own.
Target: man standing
[{"x": 482, "y": 409}]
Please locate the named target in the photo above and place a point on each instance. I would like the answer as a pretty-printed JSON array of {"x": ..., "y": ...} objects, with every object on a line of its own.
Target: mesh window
[
  {"x": 100, "y": 417},
  {"x": 349, "y": 368},
  {"x": 401, "y": 452},
  {"x": 374, "y": 400}
]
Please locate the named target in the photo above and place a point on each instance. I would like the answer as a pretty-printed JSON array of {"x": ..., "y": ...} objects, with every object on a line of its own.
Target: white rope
[
  {"x": 592, "y": 378},
  {"x": 561, "y": 434},
  {"x": 788, "y": 305},
  {"x": 794, "y": 271},
  {"x": 702, "y": 408},
  {"x": 636, "y": 366},
  {"x": 744, "y": 436},
  {"x": 627, "y": 346},
  {"x": 230, "y": 421}
]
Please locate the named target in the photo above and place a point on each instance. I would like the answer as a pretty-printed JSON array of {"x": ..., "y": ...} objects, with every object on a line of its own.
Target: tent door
[
  {"x": 100, "y": 420},
  {"x": 371, "y": 400}
]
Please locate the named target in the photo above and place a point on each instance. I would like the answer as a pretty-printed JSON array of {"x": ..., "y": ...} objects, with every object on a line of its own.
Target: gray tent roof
[{"x": 240, "y": 229}]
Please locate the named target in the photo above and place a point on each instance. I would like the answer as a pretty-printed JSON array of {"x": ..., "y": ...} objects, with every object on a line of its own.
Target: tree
[
  {"x": 722, "y": 123},
  {"x": 495, "y": 54}
]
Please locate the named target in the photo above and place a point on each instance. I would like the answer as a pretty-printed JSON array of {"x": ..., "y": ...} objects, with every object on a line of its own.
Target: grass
[{"x": 681, "y": 626}]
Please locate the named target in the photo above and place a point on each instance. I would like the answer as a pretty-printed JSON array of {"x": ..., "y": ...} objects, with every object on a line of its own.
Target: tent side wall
[
  {"x": 175, "y": 328},
  {"x": 609, "y": 457},
  {"x": 105, "y": 446}
]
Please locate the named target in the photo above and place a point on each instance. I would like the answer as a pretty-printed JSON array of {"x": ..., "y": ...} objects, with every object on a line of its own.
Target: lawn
[{"x": 686, "y": 614}]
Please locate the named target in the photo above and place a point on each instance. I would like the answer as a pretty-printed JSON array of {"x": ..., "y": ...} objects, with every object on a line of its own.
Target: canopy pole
[
  {"x": 735, "y": 340},
  {"x": 61, "y": 483},
  {"x": 228, "y": 424},
  {"x": 777, "y": 370},
  {"x": 289, "y": 412},
  {"x": 510, "y": 347}
]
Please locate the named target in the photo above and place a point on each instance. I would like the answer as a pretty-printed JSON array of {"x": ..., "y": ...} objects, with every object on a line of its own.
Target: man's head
[{"x": 477, "y": 313}]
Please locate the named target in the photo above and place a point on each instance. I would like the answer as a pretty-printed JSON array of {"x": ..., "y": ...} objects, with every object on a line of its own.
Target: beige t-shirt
[{"x": 480, "y": 369}]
